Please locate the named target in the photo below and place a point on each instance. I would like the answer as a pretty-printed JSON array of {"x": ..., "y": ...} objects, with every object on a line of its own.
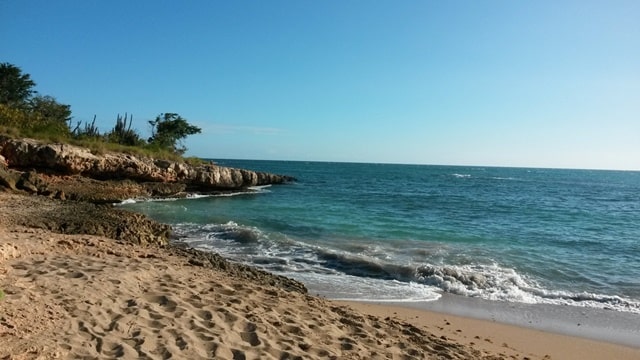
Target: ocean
[{"x": 410, "y": 233}]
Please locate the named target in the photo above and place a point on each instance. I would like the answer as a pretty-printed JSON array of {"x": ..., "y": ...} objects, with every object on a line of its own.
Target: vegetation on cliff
[
  {"x": 24, "y": 112},
  {"x": 83, "y": 151}
]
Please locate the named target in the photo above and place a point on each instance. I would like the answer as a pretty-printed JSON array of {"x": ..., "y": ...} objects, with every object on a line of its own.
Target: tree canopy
[
  {"x": 169, "y": 130},
  {"x": 42, "y": 116},
  {"x": 22, "y": 108},
  {"x": 15, "y": 87},
  {"x": 48, "y": 107}
]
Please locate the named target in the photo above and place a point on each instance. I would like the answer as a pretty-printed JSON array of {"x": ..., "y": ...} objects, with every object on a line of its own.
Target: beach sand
[
  {"x": 493, "y": 337},
  {"x": 81, "y": 296}
]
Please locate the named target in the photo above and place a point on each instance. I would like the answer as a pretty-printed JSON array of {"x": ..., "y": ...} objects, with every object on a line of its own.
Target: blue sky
[{"x": 505, "y": 83}]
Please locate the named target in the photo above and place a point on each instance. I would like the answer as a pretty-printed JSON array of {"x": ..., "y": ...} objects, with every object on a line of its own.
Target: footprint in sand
[
  {"x": 228, "y": 316},
  {"x": 163, "y": 301},
  {"x": 73, "y": 274},
  {"x": 251, "y": 338},
  {"x": 250, "y": 335},
  {"x": 205, "y": 315}
]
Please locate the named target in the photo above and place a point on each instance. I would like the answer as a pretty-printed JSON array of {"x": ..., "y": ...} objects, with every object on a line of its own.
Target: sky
[{"x": 488, "y": 83}]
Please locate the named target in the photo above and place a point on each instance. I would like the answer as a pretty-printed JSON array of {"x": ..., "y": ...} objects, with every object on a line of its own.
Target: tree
[
  {"x": 15, "y": 87},
  {"x": 50, "y": 109},
  {"x": 22, "y": 108},
  {"x": 168, "y": 131}
]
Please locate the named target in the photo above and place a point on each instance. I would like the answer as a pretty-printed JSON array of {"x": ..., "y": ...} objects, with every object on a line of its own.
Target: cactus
[{"x": 122, "y": 133}]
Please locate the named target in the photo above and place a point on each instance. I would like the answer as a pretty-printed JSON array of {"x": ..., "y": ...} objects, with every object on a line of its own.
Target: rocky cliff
[{"x": 143, "y": 176}]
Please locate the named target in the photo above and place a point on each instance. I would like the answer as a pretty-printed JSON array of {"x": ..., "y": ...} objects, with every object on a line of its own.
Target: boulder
[
  {"x": 32, "y": 183},
  {"x": 8, "y": 178}
]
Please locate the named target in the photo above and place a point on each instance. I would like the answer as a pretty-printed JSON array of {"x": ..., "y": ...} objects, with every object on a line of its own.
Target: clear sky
[{"x": 505, "y": 83}]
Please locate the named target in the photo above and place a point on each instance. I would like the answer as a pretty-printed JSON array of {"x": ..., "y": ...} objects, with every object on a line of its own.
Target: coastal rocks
[
  {"x": 26, "y": 181},
  {"x": 8, "y": 179},
  {"x": 73, "y": 217},
  {"x": 32, "y": 183},
  {"x": 74, "y": 160},
  {"x": 163, "y": 189},
  {"x": 77, "y": 187},
  {"x": 223, "y": 178},
  {"x": 213, "y": 260},
  {"x": 64, "y": 159},
  {"x": 88, "y": 181}
]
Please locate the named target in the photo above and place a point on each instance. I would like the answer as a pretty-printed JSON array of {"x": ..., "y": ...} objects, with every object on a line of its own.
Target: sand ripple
[{"x": 89, "y": 297}]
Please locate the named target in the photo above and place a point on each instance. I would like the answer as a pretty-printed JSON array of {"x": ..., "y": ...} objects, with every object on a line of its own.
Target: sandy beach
[{"x": 87, "y": 296}]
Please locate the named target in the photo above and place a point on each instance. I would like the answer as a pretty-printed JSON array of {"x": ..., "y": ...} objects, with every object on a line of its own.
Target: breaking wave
[
  {"x": 380, "y": 278},
  {"x": 252, "y": 190}
]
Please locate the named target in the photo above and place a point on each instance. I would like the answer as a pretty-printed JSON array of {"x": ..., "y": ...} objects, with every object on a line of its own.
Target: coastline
[
  {"x": 89, "y": 295},
  {"x": 498, "y": 337},
  {"x": 601, "y": 325},
  {"x": 72, "y": 296}
]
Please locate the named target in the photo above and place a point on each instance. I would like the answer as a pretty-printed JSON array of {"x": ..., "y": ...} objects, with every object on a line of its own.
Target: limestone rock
[{"x": 74, "y": 160}]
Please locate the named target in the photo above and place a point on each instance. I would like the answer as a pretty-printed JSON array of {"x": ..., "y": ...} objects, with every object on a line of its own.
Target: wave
[
  {"x": 493, "y": 282},
  {"x": 503, "y": 178},
  {"x": 252, "y": 190},
  {"x": 140, "y": 200},
  {"x": 461, "y": 176},
  {"x": 351, "y": 275},
  {"x": 228, "y": 232},
  {"x": 489, "y": 282},
  {"x": 234, "y": 232}
]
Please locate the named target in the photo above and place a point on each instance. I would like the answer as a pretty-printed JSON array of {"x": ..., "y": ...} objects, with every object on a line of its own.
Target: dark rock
[
  {"x": 216, "y": 261},
  {"x": 32, "y": 183},
  {"x": 8, "y": 178},
  {"x": 60, "y": 195},
  {"x": 164, "y": 189},
  {"x": 74, "y": 217}
]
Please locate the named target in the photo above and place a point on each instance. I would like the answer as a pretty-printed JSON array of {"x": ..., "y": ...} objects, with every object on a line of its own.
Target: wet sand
[{"x": 510, "y": 341}]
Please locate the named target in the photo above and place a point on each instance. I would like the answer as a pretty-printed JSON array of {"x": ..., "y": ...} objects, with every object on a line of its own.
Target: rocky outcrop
[
  {"x": 216, "y": 261},
  {"x": 78, "y": 217},
  {"x": 67, "y": 159},
  {"x": 66, "y": 172}
]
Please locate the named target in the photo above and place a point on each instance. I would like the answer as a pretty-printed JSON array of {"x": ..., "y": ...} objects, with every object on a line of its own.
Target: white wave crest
[{"x": 492, "y": 282}]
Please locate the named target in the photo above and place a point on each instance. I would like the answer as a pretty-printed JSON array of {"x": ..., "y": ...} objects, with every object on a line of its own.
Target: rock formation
[
  {"x": 67, "y": 172},
  {"x": 156, "y": 177}
]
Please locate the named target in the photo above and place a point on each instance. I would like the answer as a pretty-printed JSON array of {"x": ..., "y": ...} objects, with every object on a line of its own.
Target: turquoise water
[{"x": 410, "y": 233}]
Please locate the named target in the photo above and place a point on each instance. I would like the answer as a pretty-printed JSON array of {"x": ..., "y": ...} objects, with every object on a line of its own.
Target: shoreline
[
  {"x": 607, "y": 326},
  {"x": 494, "y": 336},
  {"x": 88, "y": 295},
  {"x": 610, "y": 326}
]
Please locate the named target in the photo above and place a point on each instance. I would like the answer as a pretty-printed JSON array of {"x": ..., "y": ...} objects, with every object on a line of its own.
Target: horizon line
[{"x": 427, "y": 164}]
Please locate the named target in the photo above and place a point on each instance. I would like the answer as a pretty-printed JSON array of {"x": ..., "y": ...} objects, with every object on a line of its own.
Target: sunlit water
[{"x": 410, "y": 233}]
